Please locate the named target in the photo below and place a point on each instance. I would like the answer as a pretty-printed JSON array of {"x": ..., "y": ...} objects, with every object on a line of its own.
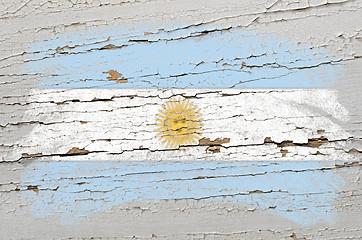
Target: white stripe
[{"x": 123, "y": 128}]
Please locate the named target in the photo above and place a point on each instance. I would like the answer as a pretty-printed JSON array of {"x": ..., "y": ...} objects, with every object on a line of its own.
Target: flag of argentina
[
  {"x": 233, "y": 107},
  {"x": 182, "y": 92}
]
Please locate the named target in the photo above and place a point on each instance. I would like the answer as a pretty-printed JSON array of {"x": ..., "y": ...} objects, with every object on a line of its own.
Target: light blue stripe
[
  {"x": 270, "y": 61},
  {"x": 299, "y": 190}
]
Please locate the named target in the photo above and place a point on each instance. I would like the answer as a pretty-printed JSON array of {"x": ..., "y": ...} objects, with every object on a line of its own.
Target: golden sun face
[{"x": 179, "y": 123}]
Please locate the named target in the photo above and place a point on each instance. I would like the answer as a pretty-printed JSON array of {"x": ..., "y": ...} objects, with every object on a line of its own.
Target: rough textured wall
[{"x": 180, "y": 119}]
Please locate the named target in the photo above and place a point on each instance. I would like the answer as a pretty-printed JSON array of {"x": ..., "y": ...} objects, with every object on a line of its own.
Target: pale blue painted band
[
  {"x": 301, "y": 191},
  {"x": 218, "y": 59}
]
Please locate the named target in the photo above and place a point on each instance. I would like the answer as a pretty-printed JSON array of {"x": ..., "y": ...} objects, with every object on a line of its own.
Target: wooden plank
[
  {"x": 121, "y": 125},
  {"x": 180, "y": 200}
]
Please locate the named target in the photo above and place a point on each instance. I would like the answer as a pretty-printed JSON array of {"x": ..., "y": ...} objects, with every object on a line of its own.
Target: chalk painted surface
[{"x": 200, "y": 119}]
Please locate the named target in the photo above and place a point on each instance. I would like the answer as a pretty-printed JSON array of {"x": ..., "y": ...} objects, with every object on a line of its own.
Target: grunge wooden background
[{"x": 79, "y": 155}]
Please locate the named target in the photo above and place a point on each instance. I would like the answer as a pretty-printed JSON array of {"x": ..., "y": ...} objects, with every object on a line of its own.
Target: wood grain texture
[
  {"x": 280, "y": 151},
  {"x": 287, "y": 189},
  {"x": 121, "y": 125},
  {"x": 181, "y": 200}
]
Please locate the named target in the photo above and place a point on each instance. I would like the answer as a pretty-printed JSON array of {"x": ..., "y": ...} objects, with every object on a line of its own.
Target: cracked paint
[
  {"x": 247, "y": 125},
  {"x": 231, "y": 58},
  {"x": 300, "y": 191},
  {"x": 208, "y": 59},
  {"x": 277, "y": 83}
]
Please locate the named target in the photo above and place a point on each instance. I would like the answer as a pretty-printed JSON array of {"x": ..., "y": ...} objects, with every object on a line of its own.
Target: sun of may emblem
[{"x": 179, "y": 123}]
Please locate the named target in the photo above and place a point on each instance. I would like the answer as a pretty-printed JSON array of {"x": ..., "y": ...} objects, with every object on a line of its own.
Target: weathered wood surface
[
  {"x": 61, "y": 105},
  {"x": 117, "y": 126},
  {"x": 180, "y": 200}
]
